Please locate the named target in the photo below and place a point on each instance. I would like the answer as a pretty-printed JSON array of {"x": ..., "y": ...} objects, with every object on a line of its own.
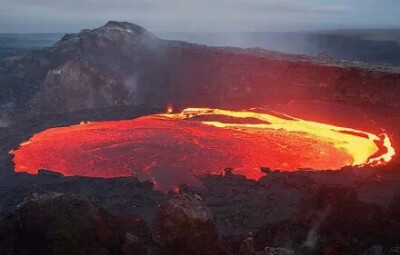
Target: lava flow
[{"x": 172, "y": 149}]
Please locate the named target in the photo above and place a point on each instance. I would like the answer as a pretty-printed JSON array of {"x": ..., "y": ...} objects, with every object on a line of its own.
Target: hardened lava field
[{"x": 172, "y": 149}]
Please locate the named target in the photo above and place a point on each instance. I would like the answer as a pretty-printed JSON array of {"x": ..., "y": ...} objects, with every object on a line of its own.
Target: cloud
[
  {"x": 176, "y": 15},
  {"x": 148, "y": 5},
  {"x": 293, "y": 6}
]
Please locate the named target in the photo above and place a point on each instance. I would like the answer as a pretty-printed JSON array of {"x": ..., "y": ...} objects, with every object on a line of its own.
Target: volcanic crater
[{"x": 173, "y": 149}]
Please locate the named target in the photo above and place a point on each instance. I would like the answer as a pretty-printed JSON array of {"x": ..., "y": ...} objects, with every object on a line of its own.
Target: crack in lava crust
[{"x": 172, "y": 149}]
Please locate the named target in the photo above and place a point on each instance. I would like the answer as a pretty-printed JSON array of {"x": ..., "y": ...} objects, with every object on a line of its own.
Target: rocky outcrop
[
  {"x": 338, "y": 212},
  {"x": 374, "y": 250},
  {"x": 275, "y": 251},
  {"x": 247, "y": 246},
  {"x": 49, "y": 173},
  {"x": 55, "y": 223},
  {"x": 93, "y": 69},
  {"x": 184, "y": 225},
  {"x": 394, "y": 251}
]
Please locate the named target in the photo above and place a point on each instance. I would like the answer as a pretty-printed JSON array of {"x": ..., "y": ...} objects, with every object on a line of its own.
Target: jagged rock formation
[
  {"x": 123, "y": 64},
  {"x": 185, "y": 225},
  {"x": 54, "y": 223},
  {"x": 309, "y": 212},
  {"x": 275, "y": 251},
  {"x": 93, "y": 69}
]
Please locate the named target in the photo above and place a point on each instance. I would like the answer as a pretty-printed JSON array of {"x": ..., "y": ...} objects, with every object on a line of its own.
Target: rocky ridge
[{"x": 122, "y": 64}]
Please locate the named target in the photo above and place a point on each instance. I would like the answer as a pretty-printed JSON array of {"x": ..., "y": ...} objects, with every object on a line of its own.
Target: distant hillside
[
  {"x": 15, "y": 44},
  {"x": 368, "y": 34},
  {"x": 377, "y": 46},
  {"x": 372, "y": 46},
  {"x": 29, "y": 41}
]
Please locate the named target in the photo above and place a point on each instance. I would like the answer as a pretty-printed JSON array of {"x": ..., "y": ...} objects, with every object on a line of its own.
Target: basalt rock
[
  {"x": 184, "y": 225},
  {"x": 49, "y": 173},
  {"x": 394, "y": 251},
  {"x": 275, "y": 251},
  {"x": 55, "y": 223},
  {"x": 374, "y": 250},
  {"x": 247, "y": 246}
]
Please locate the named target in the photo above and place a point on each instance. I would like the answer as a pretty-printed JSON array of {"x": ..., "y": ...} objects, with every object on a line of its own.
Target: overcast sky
[{"x": 198, "y": 15}]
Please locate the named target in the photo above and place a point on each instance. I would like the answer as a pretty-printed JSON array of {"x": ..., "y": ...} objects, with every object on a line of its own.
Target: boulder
[
  {"x": 55, "y": 223},
  {"x": 247, "y": 246},
  {"x": 185, "y": 225},
  {"x": 374, "y": 250},
  {"x": 394, "y": 251},
  {"x": 275, "y": 251}
]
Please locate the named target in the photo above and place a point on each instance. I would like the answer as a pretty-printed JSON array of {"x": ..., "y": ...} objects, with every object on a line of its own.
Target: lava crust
[{"x": 172, "y": 149}]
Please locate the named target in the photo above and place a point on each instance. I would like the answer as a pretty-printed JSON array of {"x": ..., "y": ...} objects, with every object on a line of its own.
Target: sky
[{"x": 40, "y": 16}]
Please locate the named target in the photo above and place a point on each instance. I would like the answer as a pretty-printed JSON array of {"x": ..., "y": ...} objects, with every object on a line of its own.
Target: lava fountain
[{"x": 172, "y": 149}]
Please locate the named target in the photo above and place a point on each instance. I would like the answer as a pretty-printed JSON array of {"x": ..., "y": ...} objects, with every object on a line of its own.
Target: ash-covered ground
[{"x": 347, "y": 211}]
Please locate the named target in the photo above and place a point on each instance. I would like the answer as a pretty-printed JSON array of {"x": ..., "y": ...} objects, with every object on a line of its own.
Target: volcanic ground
[{"x": 116, "y": 80}]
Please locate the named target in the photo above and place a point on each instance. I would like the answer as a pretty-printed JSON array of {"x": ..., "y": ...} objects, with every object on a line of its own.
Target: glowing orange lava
[
  {"x": 172, "y": 149},
  {"x": 170, "y": 108}
]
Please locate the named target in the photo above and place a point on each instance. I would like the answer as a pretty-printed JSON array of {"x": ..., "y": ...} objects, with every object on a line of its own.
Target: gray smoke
[
  {"x": 312, "y": 236},
  {"x": 5, "y": 114}
]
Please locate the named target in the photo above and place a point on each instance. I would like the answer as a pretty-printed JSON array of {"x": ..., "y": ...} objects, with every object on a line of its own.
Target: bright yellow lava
[{"x": 359, "y": 144}]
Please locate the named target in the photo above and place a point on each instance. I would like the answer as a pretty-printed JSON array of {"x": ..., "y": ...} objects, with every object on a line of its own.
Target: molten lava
[
  {"x": 170, "y": 108},
  {"x": 172, "y": 149}
]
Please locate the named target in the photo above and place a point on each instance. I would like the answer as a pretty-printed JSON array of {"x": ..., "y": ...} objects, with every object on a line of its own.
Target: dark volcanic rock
[
  {"x": 120, "y": 196},
  {"x": 184, "y": 225},
  {"x": 394, "y": 251},
  {"x": 247, "y": 246},
  {"x": 333, "y": 221},
  {"x": 309, "y": 212},
  {"x": 49, "y": 173},
  {"x": 92, "y": 69},
  {"x": 275, "y": 251},
  {"x": 54, "y": 223},
  {"x": 374, "y": 250}
]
